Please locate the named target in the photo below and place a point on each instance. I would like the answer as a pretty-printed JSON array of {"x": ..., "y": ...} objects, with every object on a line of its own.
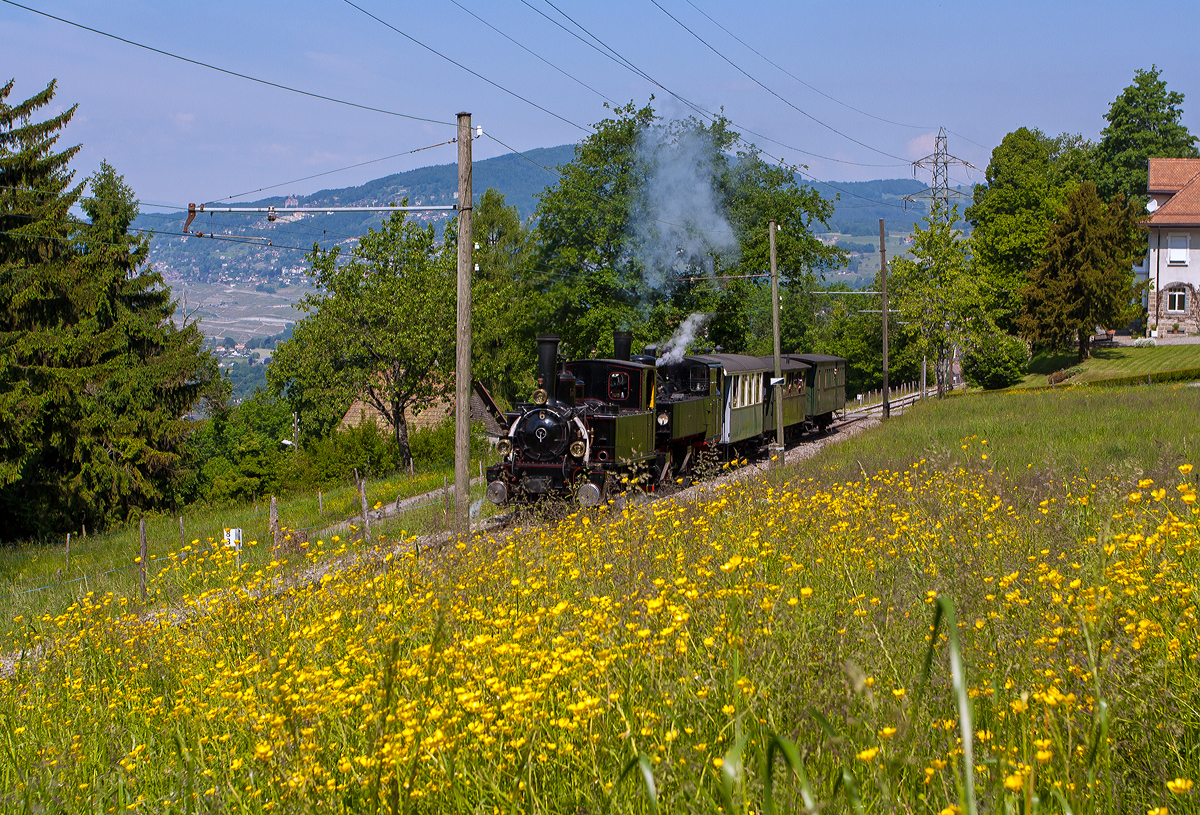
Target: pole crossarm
[{"x": 273, "y": 212}]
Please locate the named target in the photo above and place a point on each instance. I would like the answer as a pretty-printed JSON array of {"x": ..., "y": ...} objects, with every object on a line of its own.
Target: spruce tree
[
  {"x": 95, "y": 379},
  {"x": 1086, "y": 275}
]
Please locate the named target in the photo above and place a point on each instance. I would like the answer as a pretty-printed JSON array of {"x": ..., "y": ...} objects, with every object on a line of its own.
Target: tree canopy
[
  {"x": 938, "y": 294},
  {"x": 95, "y": 378},
  {"x": 381, "y": 326},
  {"x": 1086, "y": 276},
  {"x": 1144, "y": 122}
]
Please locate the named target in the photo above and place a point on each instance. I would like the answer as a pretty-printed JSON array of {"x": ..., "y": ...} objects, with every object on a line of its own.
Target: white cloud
[
  {"x": 922, "y": 145},
  {"x": 183, "y": 121}
]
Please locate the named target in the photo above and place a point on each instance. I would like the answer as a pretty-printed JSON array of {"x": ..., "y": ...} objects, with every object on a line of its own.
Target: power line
[
  {"x": 704, "y": 113},
  {"x": 798, "y": 79},
  {"x": 532, "y": 52},
  {"x": 226, "y": 70},
  {"x": 756, "y": 81},
  {"x": 338, "y": 170},
  {"x": 463, "y": 67}
]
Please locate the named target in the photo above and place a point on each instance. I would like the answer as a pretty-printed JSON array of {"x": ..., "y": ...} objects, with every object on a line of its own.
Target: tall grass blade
[
  {"x": 731, "y": 772},
  {"x": 1066, "y": 807},
  {"x": 850, "y": 786},
  {"x": 958, "y": 681},
  {"x": 791, "y": 757},
  {"x": 642, "y": 762}
]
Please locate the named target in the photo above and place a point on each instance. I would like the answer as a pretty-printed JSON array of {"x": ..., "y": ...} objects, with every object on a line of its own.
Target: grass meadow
[
  {"x": 986, "y": 605},
  {"x": 1115, "y": 363},
  {"x": 39, "y": 578}
]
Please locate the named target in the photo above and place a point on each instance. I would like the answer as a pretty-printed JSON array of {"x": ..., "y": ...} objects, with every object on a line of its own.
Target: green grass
[
  {"x": 1111, "y": 431},
  {"x": 1114, "y": 363},
  {"x": 35, "y": 579},
  {"x": 1002, "y": 628}
]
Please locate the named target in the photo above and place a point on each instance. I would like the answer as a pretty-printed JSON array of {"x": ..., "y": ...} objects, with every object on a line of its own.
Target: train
[{"x": 593, "y": 426}]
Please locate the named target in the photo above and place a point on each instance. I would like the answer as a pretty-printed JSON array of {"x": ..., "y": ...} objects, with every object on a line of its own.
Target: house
[
  {"x": 1172, "y": 265},
  {"x": 483, "y": 409}
]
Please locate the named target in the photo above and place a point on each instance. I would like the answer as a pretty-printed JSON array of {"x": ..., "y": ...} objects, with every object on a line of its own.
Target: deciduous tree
[
  {"x": 381, "y": 325},
  {"x": 937, "y": 292},
  {"x": 1143, "y": 122}
]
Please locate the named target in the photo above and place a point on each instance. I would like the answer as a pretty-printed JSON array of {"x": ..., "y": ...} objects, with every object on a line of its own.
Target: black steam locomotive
[{"x": 593, "y": 422}]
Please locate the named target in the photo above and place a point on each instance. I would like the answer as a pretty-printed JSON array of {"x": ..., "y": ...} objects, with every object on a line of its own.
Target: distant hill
[
  {"x": 860, "y": 204},
  {"x": 243, "y": 255}
]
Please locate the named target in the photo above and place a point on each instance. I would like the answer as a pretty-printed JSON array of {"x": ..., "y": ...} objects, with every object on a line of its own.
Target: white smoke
[
  {"x": 672, "y": 350},
  {"x": 677, "y": 225}
]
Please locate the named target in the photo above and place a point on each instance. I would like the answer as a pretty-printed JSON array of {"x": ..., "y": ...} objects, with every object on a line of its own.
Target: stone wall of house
[
  {"x": 362, "y": 411},
  {"x": 1188, "y": 320}
]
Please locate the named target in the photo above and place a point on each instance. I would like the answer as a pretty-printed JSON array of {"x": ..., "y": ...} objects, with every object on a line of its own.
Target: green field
[
  {"x": 987, "y": 604},
  {"x": 1115, "y": 363}
]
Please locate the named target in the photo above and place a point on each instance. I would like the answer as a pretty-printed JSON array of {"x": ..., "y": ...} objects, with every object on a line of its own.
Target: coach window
[{"x": 618, "y": 386}]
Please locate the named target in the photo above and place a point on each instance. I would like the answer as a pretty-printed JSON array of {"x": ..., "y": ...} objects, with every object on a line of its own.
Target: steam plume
[
  {"x": 678, "y": 224},
  {"x": 673, "y": 349}
]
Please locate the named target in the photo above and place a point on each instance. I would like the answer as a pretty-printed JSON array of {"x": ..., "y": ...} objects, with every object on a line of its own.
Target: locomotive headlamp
[
  {"x": 504, "y": 447},
  {"x": 663, "y": 419},
  {"x": 578, "y": 448},
  {"x": 540, "y": 397}
]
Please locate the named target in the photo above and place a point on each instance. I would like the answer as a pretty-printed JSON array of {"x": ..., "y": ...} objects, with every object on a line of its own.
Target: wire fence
[{"x": 211, "y": 531}]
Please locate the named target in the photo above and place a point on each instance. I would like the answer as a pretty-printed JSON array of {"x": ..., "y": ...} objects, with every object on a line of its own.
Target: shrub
[
  {"x": 1144, "y": 342},
  {"x": 431, "y": 446},
  {"x": 996, "y": 361}
]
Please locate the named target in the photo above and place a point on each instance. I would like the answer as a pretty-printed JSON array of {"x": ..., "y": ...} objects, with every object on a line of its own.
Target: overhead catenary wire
[
  {"x": 801, "y": 81},
  {"x": 703, "y": 112},
  {"x": 533, "y": 53},
  {"x": 458, "y": 64},
  {"x": 769, "y": 90},
  {"x": 338, "y": 170},
  {"x": 228, "y": 71}
]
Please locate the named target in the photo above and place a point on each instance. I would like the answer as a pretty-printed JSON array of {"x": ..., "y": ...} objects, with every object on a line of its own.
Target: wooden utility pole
[
  {"x": 887, "y": 407},
  {"x": 462, "y": 371},
  {"x": 777, "y": 451}
]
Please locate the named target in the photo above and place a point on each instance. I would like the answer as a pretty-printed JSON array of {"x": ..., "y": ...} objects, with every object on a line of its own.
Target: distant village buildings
[{"x": 1171, "y": 268}]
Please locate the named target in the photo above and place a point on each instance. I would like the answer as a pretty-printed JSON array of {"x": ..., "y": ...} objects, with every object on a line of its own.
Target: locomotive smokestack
[
  {"x": 547, "y": 363},
  {"x": 622, "y": 344}
]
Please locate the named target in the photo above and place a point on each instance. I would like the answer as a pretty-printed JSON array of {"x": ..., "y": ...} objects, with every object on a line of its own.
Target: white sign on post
[{"x": 233, "y": 538}]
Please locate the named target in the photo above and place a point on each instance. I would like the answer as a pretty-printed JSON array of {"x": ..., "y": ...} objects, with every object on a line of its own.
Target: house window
[
  {"x": 1176, "y": 301},
  {"x": 1177, "y": 250}
]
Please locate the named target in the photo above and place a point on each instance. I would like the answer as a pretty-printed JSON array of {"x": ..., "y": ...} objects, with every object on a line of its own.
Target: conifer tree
[
  {"x": 1086, "y": 275},
  {"x": 95, "y": 379}
]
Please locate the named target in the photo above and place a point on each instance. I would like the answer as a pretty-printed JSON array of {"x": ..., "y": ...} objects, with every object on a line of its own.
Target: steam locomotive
[{"x": 594, "y": 425}]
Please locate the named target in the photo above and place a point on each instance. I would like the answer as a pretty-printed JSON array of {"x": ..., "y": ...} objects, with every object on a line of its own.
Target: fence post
[
  {"x": 273, "y": 524},
  {"x": 142, "y": 555},
  {"x": 182, "y": 536},
  {"x": 445, "y": 500},
  {"x": 67, "y": 567},
  {"x": 320, "y": 503},
  {"x": 362, "y": 492}
]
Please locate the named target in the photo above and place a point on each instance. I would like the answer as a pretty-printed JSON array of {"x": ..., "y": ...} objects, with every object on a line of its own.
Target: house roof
[
  {"x": 1182, "y": 208},
  {"x": 1172, "y": 174}
]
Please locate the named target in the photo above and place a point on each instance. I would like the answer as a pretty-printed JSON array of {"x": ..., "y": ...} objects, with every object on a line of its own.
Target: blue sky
[{"x": 182, "y": 133}]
